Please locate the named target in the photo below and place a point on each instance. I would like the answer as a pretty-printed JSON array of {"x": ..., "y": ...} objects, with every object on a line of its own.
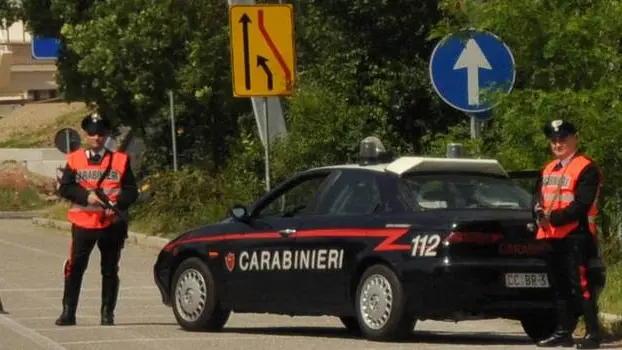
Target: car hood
[{"x": 218, "y": 228}]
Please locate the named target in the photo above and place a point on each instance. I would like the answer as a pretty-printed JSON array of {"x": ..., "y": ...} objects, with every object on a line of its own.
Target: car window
[
  {"x": 354, "y": 193},
  {"x": 296, "y": 199},
  {"x": 464, "y": 192}
]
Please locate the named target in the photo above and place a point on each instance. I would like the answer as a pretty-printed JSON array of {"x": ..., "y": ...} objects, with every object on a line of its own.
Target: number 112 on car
[{"x": 425, "y": 245}]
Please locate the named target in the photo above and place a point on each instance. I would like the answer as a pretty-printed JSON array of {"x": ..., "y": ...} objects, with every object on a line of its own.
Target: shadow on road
[
  {"x": 475, "y": 338},
  {"x": 146, "y": 324}
]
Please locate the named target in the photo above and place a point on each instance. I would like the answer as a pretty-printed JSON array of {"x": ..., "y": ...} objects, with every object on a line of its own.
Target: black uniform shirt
[{"x": 71, "y": 190}]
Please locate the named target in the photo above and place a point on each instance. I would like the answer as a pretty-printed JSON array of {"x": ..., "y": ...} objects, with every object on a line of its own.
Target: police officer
[
  {"x": 565, "y": 212},
  {"x": 92, "y": 223}
]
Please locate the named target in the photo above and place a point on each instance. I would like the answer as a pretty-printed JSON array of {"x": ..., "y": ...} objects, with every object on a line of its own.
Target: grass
[
  {"x": 43, "y": 136},
  {"x": 21, "y": 200},
  {"x": 21, "y": 190},
  {"x": 145, "y": 225},
  {"x": 610, "y": 300}
]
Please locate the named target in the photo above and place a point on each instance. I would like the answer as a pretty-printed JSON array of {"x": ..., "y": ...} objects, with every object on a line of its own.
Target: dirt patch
[
  {"x": 15, "y": 177},
  {"x": 34, "y": 125}
]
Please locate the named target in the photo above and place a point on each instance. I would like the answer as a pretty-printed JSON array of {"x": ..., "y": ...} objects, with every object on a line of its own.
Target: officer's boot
[
  {"x": 70, "y": 303},
  {"x": 110, "y": 291},
  {"x": 563, "y": 334},
  {"x": 593, "y": 335}
]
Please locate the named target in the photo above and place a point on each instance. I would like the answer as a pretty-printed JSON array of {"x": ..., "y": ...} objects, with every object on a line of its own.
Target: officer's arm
[
  {"x": 70, "y": 189},
  {"x": 537, "y": 194},
  {"x": 129, "y": 189},
  {"x": 585, "y": 193}
]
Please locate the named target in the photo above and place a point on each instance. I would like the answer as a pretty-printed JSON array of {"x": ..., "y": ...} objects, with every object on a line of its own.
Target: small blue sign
[
  {"x": 467, "y": 64},
  {"x": 45, "y": 48}
]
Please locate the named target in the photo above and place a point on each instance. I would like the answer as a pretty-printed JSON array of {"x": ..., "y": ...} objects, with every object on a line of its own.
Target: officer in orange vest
[
  {"x": 565, "y": 211},
  {"x": 92, "y": 223}
]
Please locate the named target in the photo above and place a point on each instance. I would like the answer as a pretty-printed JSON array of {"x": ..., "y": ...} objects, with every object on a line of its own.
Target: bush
[{"x": 193, "y": 196}]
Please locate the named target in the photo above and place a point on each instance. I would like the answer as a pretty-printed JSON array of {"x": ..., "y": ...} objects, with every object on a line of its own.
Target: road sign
[
  {"x": 45, "y": 48},
  {"x": 465, "y": 65},
  {"x": 262, "y": 49},
  {"x": 482, "y": 116},
  {"x": 67, "y": 140}
]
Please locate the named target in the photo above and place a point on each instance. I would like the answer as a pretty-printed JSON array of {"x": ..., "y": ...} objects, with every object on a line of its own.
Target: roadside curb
[{"x": 135, "y": 238}]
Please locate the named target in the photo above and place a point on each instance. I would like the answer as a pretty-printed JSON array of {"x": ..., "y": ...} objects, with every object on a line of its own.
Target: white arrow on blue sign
[
  {"x": 45, "y": 48},
  {"x": 466, "y": 63}
]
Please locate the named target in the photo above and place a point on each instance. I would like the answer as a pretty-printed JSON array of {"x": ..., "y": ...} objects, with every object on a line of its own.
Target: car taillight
[{"x": 473, "y": 237}]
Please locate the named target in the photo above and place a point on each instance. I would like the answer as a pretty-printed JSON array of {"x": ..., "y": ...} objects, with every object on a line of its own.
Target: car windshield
[{"x": 461, "y": 191}]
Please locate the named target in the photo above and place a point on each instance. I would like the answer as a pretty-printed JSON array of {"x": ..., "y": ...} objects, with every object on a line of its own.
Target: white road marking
[
  {"x": 32, "y": 335},
  {"x": 98, "y": 327},
  {"x": 29, "y": 290},
  {"x": 36, "y": 250},
  {"x": 79, "y": 315},
  {"x": 130, "y": 340},
  {"x": 55, "y": 308}
]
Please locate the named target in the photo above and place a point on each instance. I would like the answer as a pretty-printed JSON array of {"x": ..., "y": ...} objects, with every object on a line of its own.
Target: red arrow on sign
[{"x": 275, "y": 51}]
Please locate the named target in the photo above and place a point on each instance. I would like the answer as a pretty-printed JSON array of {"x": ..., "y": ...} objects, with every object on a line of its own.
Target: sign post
[
  {"x": 173, "y": 131},
  {"x": 263, "y": 58},
  {"x": 467, "y": 63}
]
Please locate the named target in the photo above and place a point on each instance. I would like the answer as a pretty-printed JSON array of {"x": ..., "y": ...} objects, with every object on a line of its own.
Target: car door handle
[{"x": 287, "y": 232}]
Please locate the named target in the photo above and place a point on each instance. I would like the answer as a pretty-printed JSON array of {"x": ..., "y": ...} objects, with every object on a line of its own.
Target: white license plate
[{"x": 526, "y": 280}]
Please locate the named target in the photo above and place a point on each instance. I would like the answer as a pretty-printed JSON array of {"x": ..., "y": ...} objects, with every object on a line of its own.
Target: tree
[
  {"x": 10, "y": 12},
  {"x": 568, "y": 67}
]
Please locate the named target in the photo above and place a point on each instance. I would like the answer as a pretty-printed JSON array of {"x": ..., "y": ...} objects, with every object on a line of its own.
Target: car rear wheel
[
  {"x": 195, "y": 302},
  {"x": 380, "y": 305},
  {"x": 541, "y": 325}
]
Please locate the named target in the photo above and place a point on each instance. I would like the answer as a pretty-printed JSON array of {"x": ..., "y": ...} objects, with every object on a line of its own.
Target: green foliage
[
  {"x": 568, "y": 67},
  {"x": 10, "y": 12},
  {"x": 193, "y": 196},
  {"x": 362, "y": 70},
  {"x": 23, "y": 199}
]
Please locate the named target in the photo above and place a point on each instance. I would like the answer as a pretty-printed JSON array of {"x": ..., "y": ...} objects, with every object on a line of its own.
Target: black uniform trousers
[
  {"x": 572, "y": 281},
  {"x": 110, "y": 242}
]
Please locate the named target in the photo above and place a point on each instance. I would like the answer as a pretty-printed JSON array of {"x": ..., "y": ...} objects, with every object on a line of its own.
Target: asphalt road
[{"x": 31, "y": 259}]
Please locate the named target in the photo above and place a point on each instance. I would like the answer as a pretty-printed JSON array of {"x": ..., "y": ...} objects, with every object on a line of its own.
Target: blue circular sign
[{"x": 466, "y": 65}]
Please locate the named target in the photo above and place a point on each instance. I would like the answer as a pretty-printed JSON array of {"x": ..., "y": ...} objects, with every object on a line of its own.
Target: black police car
[{"x": 379, "y": 245}]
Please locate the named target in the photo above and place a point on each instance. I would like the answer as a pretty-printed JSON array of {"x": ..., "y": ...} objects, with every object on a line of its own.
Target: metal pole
[
  {"x": 267, "y": 138},
  {"x": 474, "y": 127},
  {"x": 173, "y": 132},
  {"x": 67, "y": 140},
  {"x": 618, "y": 217}
]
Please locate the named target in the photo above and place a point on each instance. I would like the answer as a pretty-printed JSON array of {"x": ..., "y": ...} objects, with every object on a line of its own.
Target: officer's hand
[
  {"x": 544, "y": 223},
  {"x": 92, "y": 199},
  {"x": 538, "y": 207},
  {"x": 109, "y": 212}
]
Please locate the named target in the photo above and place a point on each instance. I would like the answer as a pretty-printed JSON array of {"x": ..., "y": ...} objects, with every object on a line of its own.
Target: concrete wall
[{"x": 43, "y": 161}]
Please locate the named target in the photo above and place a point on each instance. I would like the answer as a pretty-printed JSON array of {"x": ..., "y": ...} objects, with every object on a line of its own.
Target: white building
[{"x": 23, "y": 78}]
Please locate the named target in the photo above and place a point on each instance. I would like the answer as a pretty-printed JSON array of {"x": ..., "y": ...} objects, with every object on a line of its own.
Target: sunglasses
[{"x": 96, "y": 133}]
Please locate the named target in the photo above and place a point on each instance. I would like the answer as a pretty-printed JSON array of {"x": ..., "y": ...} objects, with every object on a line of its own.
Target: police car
[{"x": 379, "y": 244}]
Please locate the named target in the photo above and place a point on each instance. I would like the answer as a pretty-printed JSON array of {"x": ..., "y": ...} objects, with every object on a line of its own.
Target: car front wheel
[
  {"x": 380, "y": 305},
  {"x": 195, "y": 302}
]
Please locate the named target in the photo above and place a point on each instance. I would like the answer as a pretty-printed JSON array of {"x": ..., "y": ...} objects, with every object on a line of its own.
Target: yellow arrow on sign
[{"x": 262, "y": 50}]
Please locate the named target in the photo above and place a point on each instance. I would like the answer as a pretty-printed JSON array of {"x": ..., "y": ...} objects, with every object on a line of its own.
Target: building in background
[{"x": 22, "y": 78}]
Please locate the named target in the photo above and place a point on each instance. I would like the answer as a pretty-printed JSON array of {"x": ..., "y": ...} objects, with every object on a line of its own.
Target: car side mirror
[{"x": 239, "y": 212}]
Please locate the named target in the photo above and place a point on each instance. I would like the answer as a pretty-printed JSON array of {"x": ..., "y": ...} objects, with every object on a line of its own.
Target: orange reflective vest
[
  {"x": 87, "y": 176},
  {"x": 557, "y": 192}
]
